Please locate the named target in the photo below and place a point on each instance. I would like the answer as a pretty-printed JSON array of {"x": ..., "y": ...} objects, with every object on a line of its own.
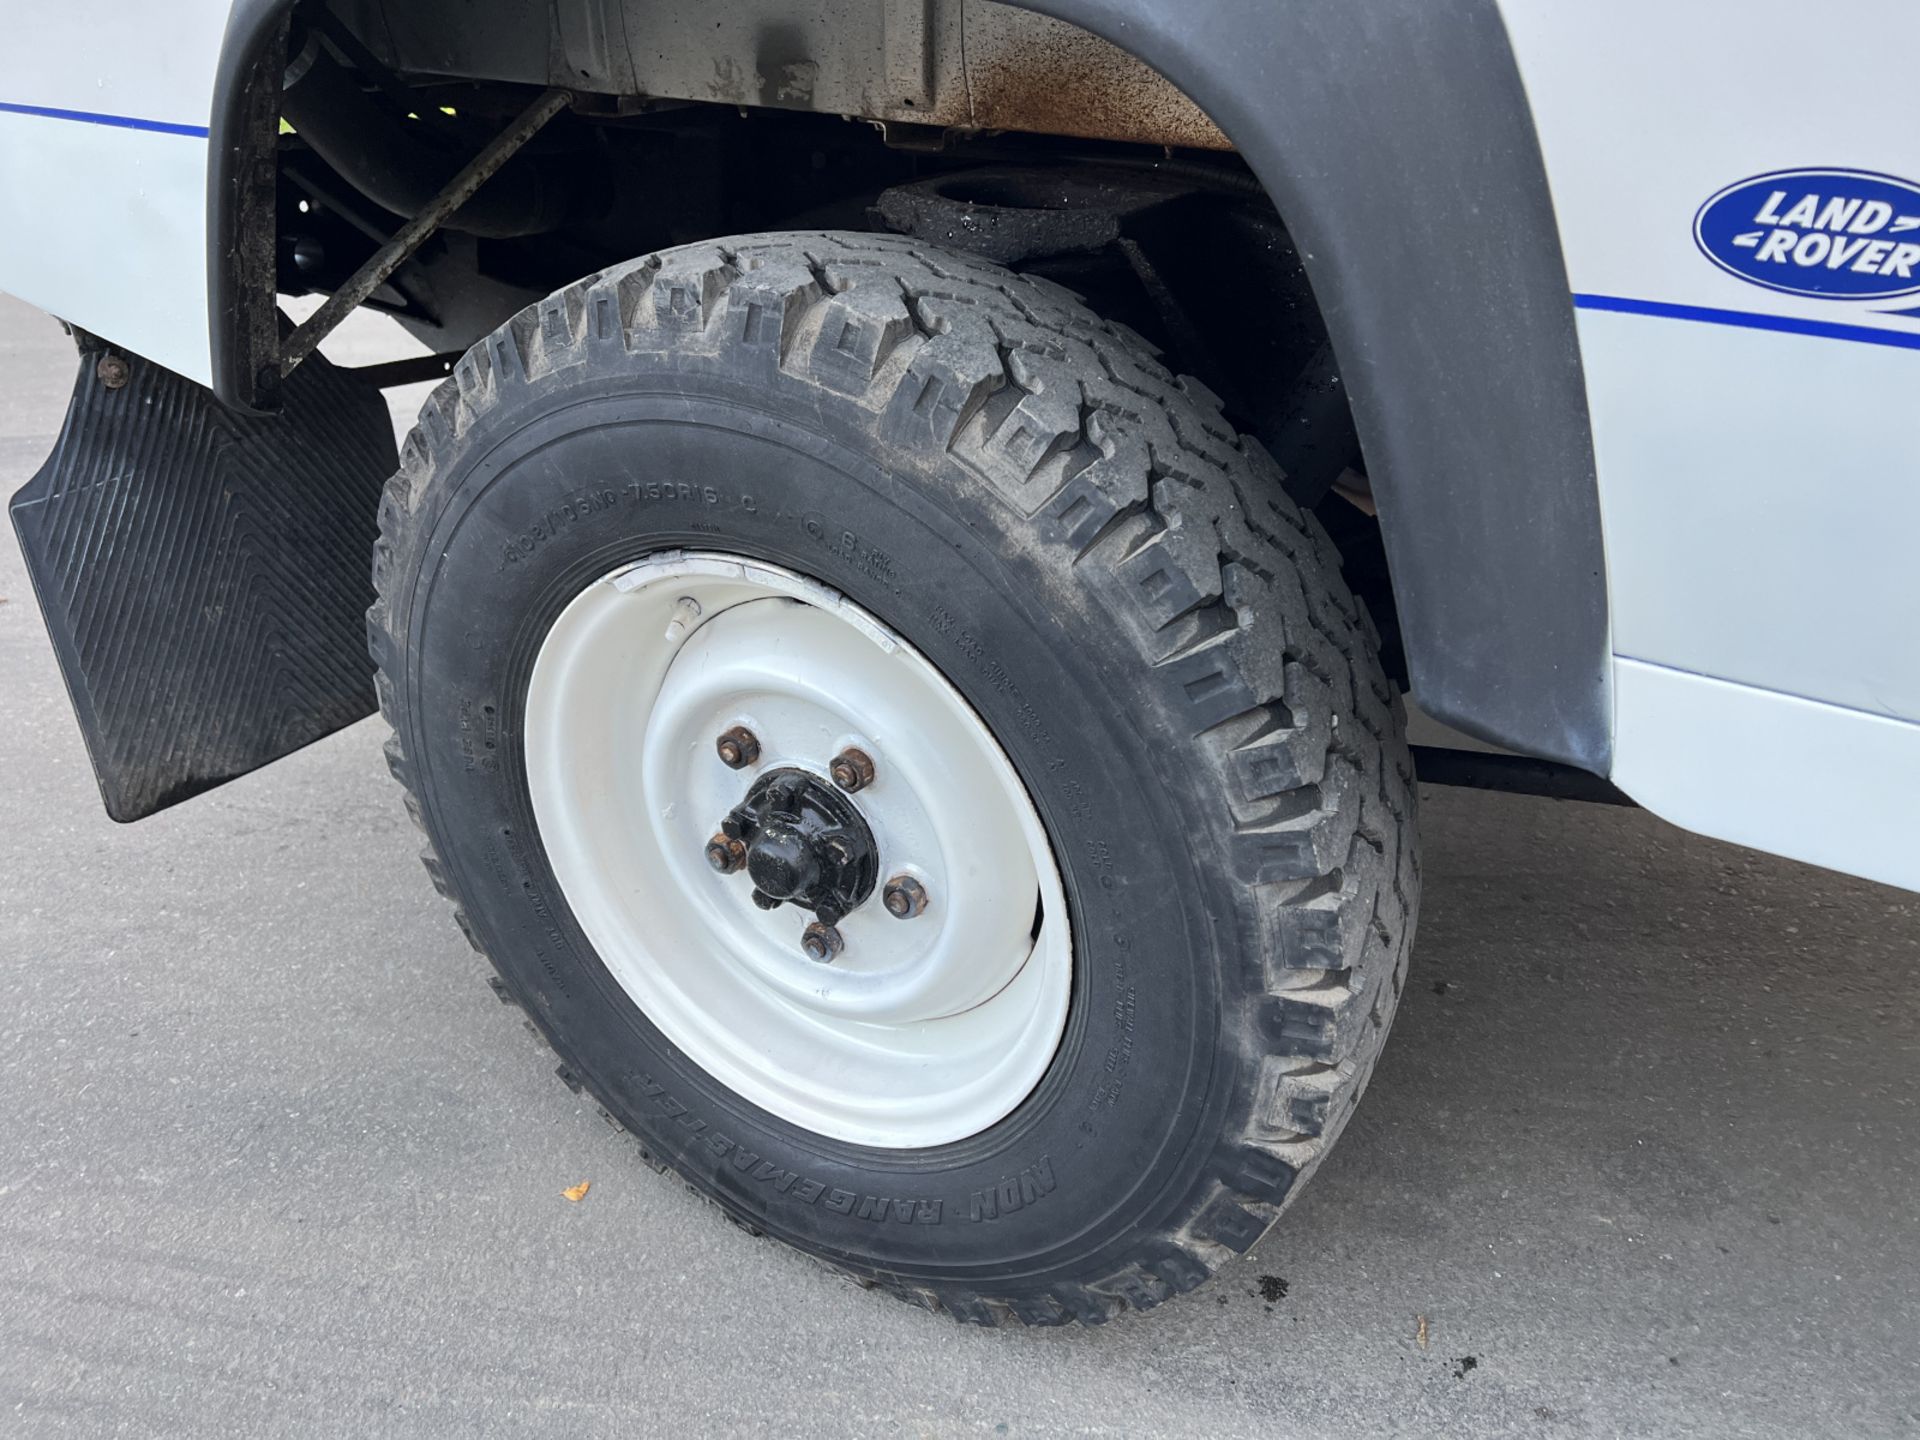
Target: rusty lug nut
[
  {"x": 113, "y": 371},
  {"x": 904, "y": 897},
  {"x": 821, "y": 942},
  {"x": 737, "y": 748},
  {"x": 852, "y": 769},
  {"x": 726, "y": 854}
]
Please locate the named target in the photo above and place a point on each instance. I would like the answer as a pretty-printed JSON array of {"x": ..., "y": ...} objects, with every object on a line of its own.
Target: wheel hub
[{"x": 807, "y": 845}]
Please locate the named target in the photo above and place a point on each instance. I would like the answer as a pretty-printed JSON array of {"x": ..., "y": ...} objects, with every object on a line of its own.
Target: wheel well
[{"x": 1461, "y": 389}]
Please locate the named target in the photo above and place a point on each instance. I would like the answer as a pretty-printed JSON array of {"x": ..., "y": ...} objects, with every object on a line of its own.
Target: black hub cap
[{"x": 806, "y": 845}]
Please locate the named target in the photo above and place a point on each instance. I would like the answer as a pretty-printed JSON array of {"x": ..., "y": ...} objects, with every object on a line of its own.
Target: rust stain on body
[{"x": 1029, "y": 73}]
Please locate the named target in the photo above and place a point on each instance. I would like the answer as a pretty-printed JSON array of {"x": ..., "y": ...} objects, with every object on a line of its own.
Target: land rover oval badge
[{"x": 1830, "y": 234}]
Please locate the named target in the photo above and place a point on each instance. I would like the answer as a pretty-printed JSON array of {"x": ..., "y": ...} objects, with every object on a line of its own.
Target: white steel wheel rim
[{"x": 923, "y": 1031}]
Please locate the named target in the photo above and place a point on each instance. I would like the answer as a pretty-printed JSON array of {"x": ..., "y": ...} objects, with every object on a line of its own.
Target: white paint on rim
[{"x": 923, "y": 1031}]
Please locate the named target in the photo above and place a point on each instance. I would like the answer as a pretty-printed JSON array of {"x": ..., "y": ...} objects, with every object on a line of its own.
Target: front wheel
[{"x": 910, "y": 759}]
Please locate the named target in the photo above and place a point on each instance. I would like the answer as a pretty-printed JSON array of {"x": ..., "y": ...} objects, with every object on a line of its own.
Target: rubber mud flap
[{"x": 205, "y": 574}]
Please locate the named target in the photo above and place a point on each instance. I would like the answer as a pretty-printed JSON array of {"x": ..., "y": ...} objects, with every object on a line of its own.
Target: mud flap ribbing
[{"x": 204, "y": 574}]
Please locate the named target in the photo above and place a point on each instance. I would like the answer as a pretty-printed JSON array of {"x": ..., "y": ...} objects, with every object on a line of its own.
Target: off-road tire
[{"x": 1118, "y": 584}]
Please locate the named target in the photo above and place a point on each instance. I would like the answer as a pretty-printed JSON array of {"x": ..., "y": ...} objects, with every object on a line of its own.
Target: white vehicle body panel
[
  {"x": 1737, "y": 761},
  {"x": 1759, "y": 463},
  {"x": 104, "y": 106}
]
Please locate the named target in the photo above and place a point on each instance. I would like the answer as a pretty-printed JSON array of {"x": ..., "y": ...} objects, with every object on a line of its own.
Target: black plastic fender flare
[{"x": 1395, "y": 138}]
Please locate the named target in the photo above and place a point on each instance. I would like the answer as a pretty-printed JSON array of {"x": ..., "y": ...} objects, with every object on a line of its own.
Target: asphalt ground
[{"x": 1642, "y": 1157}]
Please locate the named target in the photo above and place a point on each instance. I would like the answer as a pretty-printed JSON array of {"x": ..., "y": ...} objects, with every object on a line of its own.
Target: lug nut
[
  {"x": 852, "y": 769},
  {"x": 904, "y": 897},
  {"x": 726, "y": 854},
  {"x": 737, "y": 748},
  {"x": 821, "y": 942}
]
